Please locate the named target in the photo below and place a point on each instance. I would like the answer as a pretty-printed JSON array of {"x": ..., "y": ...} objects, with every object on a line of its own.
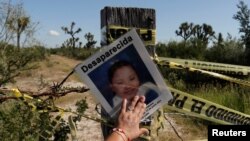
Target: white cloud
[{"x": 54, "y": 33}]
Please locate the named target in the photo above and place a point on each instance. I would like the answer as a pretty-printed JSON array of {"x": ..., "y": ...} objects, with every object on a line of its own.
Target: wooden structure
[{"x": 115, "y": 21}]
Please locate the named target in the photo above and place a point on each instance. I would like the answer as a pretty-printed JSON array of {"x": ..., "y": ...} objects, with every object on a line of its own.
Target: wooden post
[{"x": 115, "y": 21}]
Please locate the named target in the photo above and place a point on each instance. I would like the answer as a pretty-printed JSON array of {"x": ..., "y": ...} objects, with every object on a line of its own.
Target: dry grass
[{"x": 182, "y": 127}]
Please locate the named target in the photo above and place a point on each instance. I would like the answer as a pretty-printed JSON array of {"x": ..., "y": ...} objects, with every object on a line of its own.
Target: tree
[
  {"x": 18, "y": 26},
  {"x": 4, "y": 16},
  {"x": 185, "y": 30},
  {"x": 202, "y": 32},
  {"x": 220, "y": 39},
  {"x": 71, "y": 42},
  {"x": 90, "y": 40},
  {"x": 14, "y": 23},
  {"x": 196, "y": 38},
  {"x": 243, "y": 16},
  {"x": 229, "y": 51}
]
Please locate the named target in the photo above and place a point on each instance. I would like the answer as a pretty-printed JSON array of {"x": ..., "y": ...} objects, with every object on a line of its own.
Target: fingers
[
  {"x": 133, "y": 103},
  {"x": 130, "y": 120},
  {"x": 137, "y": 105},
  {"x": 142, "y": 110},
  {"x": 144, "y": 131},
  {"x": 142, "y": 99},
  {"x": 143, "y": 106},
  {"x": 140, "y": 107},
  {"x": 124, "y": 106}
]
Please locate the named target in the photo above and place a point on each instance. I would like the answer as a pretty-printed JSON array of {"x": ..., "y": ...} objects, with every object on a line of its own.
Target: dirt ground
[{"x": 55, "y": 68}]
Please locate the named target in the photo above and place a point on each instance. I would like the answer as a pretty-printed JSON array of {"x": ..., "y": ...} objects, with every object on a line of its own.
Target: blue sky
[{"x": 53, "y": 14}]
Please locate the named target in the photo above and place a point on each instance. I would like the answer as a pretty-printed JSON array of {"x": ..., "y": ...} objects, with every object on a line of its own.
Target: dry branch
[{"x": 62, "y": 92}]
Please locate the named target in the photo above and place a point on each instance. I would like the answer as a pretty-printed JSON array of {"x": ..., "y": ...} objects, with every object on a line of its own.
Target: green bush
[
  {"x": 192, "y": 49},
  {"x": 76, "y": 53},
  {"x": 230, "y": 52},
  {"x": 19, "y": 122},
  {"x": 13, "y": 60}
]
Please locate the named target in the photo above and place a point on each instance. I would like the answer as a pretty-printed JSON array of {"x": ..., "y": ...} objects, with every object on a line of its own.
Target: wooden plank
[{"x": 128, "y": 17}]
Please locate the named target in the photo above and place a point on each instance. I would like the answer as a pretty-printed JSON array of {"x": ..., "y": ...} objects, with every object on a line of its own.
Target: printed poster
[{"x": 124, "y": 69}]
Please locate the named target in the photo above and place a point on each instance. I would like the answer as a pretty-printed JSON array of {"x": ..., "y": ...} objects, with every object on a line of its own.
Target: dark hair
[{"x": 117, "y": 65}]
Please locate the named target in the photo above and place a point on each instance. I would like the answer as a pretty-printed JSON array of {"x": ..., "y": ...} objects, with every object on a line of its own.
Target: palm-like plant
[{"x": 18, "y": 25}]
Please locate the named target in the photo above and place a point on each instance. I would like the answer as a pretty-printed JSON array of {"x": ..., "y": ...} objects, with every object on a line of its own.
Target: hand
[{"x": 129, "y": 118}]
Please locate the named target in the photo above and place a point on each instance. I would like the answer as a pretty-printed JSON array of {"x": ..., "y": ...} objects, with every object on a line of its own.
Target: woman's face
[{"x": 125, "y": 82}]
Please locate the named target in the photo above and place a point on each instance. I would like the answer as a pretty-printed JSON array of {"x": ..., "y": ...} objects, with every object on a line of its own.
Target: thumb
[{"x": 144, "y": 131}]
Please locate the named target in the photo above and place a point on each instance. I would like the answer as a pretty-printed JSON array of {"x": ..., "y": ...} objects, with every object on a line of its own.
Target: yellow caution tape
[
  {"x": 111, "y": 32},
  {"x": 17, "y": 93},
  {"x": 24, "y": 97},
  {"x": 181, "y": 102},
  {"x": 201, "y": 108},
  {"x": 48, "y": 108},
  {"x": 213, "y": 74},
  {"x": 194, "y": 106},
  {"x": 46, "y": 134},
  {"x": 210, "y": 66}
]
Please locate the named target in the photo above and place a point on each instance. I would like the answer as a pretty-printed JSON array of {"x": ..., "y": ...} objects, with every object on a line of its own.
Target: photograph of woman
[{"x": 125, "y": 83}]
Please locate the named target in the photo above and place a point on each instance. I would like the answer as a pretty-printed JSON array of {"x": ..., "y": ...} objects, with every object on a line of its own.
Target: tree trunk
[{"x": 18, "y": 41}]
